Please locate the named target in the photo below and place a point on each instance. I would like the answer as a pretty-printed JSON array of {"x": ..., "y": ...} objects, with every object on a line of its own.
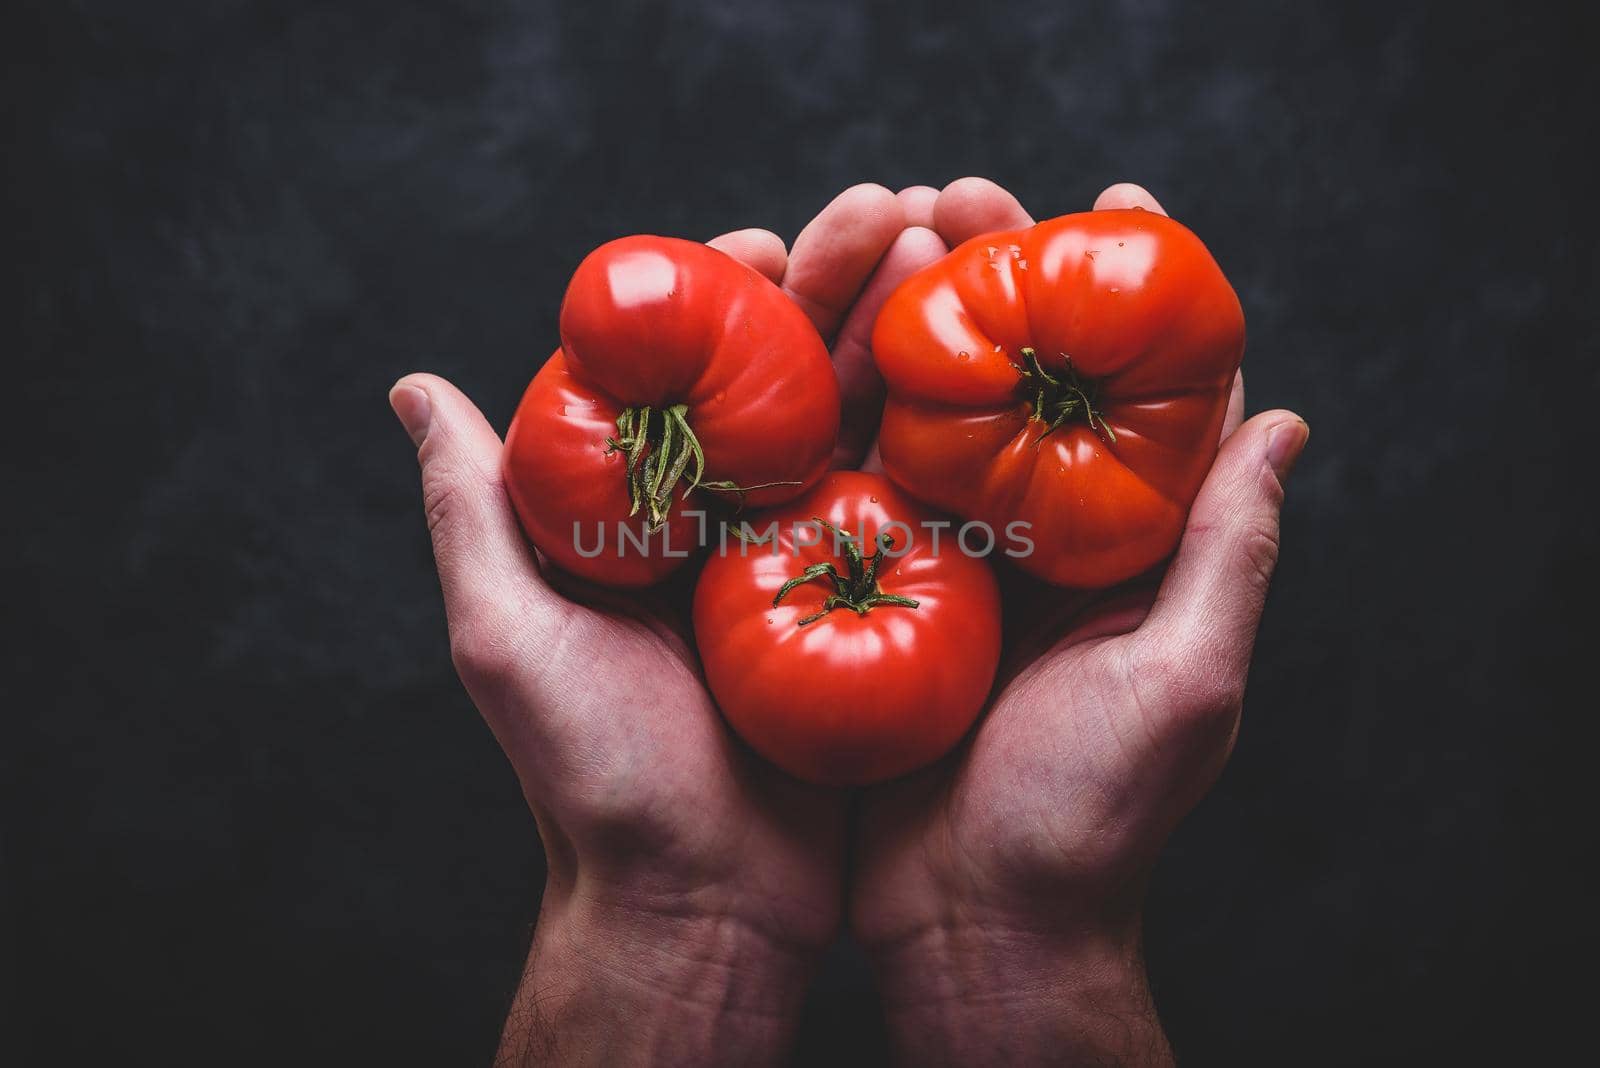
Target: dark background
[{"x": 250, "y": 815}]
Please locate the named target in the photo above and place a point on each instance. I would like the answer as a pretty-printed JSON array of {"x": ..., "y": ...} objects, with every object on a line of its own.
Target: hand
[
  {"x": 689, "y": 891},
  {"x": 999, "y": 893}
]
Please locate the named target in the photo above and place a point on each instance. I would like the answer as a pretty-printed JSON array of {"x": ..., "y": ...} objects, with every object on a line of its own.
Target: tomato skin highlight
[
  {"x": 656, "y": 322},
  {"x": 849, "y": 699},
  {"x": 1130, "y": 301}
]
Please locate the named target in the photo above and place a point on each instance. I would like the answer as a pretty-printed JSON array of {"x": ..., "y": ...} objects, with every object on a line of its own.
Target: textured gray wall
[{"x": 251, "y": 814}]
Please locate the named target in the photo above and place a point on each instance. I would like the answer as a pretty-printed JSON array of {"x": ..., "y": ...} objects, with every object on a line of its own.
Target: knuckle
[
  {"x": 1186, "y": 686},
  {"x": 870, "y": 191},
  {"x": 440, "y": 498},
  {"x": 482, "y": 652},
  {"x": 970, "y": 184},
  {"x": 453, "y": 501},
  {"x": 444, "y": 489},
  {"x": 1224, "y": 698},
  {"x": 1272, "y": 488},
  {"x": 1258, "y": 550}
]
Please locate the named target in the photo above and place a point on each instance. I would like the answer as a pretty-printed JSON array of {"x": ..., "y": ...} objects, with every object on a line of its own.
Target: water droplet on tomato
[
  {"x": 1015, "y": 250},
  {"x": 963, "y": 355},
  {"x": 874, "y": 500},
  {"x": 990, "y": 250},
  {"x": 1022, "y": 265}
]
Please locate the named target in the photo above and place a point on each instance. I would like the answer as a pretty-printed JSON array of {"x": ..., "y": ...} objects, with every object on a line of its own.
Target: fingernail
[
  {"x": 414, "y": 410},
  {"x": 1284, "y": 443}
]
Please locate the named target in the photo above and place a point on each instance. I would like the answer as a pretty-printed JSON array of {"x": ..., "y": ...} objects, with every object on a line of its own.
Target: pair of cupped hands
[{"x": 692, "y": 889}]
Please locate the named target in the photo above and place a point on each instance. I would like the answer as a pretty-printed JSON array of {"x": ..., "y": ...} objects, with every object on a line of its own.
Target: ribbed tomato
[
  {"x": 848, "y": 662},
  {"x": 684, "y": 381},
  {"x": 1073, "y": 376}
]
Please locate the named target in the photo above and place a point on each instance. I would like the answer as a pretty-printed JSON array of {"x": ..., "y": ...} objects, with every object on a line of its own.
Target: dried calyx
[{"x": 661, "y": 451}]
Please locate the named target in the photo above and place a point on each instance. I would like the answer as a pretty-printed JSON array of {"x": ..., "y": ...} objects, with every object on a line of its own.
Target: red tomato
[
  {"x": 1074, "y": 376},
  {"x": 849, "y": 667},
  {"x": 684, "y": 379}
]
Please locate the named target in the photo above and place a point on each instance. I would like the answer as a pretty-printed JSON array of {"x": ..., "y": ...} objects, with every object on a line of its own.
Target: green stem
[
  {"x": 1060, "y": 397},
  {"x": 857, "y": 589},
  {"x": 660, "y": 446}
]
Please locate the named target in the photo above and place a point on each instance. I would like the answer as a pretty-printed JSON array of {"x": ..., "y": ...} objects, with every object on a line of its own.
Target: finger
[
  {"x": 762, "y": 250},
  {"x": 1235, "y": 413},
  {"x": 872, "y": 463},
  {"x": 917, "y": 202},
  {"x": 486, "y": 569},
  {"x": 1203, "y": 624},
  {"x": 836, "y": 252},
  {"x": 1127, "y": 195},
  {"x": 968, "y": 207},
  {"x": 860, "y": 388}
]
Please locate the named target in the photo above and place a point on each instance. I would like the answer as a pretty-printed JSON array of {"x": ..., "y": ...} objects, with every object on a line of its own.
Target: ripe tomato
[
  {"x": 851, "y": 666},
  {"x": 683, "y": 378},
  {"x": 1074, "y": 376}
]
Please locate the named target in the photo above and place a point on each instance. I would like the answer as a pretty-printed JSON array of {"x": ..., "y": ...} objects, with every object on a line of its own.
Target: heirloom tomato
[
  {"x": 684, "y": 378},
  {"x": 1073, "y": 376},
  {"x": 853, "y": 644}
]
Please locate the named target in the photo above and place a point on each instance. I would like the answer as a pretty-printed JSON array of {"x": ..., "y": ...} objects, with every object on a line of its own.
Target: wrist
[
  {"x": 982, "y": 992},
  {"x": 609, "y": 983}
]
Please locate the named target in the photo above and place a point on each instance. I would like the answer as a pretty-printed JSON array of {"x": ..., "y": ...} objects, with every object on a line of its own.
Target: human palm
[
  {"x": 597, "y": 698},
  {"x": 635, "y": 782},
  {"x": 1083, "y": 762},
  {"x": 1113, "y": 716}
]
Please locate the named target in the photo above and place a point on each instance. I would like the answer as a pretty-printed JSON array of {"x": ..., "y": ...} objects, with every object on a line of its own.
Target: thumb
[
  {"x": 1205, "y": 617},
  {"x": 489, "y": 574}
]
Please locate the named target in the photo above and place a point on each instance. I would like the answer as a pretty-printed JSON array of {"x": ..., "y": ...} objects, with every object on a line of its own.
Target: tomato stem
[
  {"x": 856, "y": 590},
  {"x": 1060, "y": 397},
  {"x": 659, "y": 445}
]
